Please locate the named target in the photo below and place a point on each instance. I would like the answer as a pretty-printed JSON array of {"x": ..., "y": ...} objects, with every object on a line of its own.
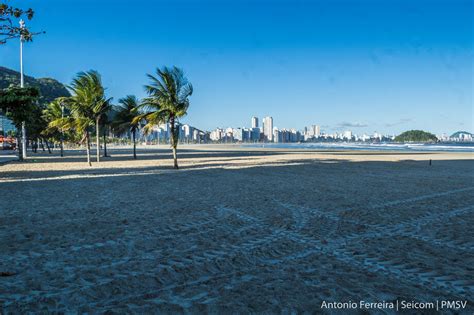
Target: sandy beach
[{"x": 235, "y": 230}]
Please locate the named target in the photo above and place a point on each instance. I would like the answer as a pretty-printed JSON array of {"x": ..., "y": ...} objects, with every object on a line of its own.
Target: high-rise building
[
  {"x": 254, "y": 122},
  {"x": 310, "y": 133},
  {"x": 196, "y": 136},
  {"x": 186, "y": 133},
  {"x": 268, "y": 128},
  {"x": 216, "y": 135},
  {"x": 294, "y": 135},
  {"x": 255, "y": 134},
  {"x": 348, "y": 135},
  {"x": 317, "y": 131},
  {"x": 238, "y": 134},
  {"x": 276, "y": 135}
]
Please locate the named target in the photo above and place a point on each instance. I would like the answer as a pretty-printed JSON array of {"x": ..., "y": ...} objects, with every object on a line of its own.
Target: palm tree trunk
[
  {"x": 19, "y": 147},
  {"x": 105, "y": 141},
  {"x": 134, "y": 145},
  {"x": 62, "y": 143},
  {"x": 97, "y": 138},
  {"x": 47, "y": 146},
  {"x": 88, "y": 149},
  {"x": 175, "y": 158},
  {"x": 174, "y": 143}
]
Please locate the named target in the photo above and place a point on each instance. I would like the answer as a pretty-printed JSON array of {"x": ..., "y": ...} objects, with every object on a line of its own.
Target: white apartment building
[
  {"x": 254, "y": 122},
  {"x": 268, "y": 128},
  {"x": 316, "y": 130}
]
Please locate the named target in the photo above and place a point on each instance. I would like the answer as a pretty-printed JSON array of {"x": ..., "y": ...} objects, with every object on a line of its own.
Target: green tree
[
  {"x": 19, "y": 104},
  {"x": 124, "y": 120},
  {"x": 416, "y": 136},
  {"x": 8, "y": 28},
  {"x": 167, "y": 101},
  {"x": 54, "y": 111},
  {"x": 37, "y": 126}
]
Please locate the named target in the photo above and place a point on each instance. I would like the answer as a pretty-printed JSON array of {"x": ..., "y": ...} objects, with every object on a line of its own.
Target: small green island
[{"x": 416, "y": 136}]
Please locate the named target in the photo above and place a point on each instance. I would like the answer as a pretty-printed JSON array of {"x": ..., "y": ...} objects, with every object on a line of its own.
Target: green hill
[
  {"x": 49, "y": 88},
  {"x": 416, "y": 136}
]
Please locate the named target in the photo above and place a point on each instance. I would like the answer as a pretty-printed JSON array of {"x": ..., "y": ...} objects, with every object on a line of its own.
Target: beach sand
[{"x": 235, "y": 230}]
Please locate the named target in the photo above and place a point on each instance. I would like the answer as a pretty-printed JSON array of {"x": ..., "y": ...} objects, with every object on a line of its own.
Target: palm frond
[
  {"x": 168, "y": 93},
  {"x": 127, "y": 112}
]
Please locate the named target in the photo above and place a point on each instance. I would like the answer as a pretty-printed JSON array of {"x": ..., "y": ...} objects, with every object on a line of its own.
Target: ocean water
[{"x": 444, "y": 147}]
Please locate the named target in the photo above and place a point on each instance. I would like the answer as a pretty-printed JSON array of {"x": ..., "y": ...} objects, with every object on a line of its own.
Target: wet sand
[{"x": 235, "y": 230}]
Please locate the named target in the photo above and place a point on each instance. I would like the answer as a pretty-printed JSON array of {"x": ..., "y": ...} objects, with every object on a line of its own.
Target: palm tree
[
  {"x": 124, "y": 120},
  {"x": 167, "y": 102},
  {"x": 52, "y": 112},
  {"x": 100, "y": 105},
  {"x": 86, "y": 107}
]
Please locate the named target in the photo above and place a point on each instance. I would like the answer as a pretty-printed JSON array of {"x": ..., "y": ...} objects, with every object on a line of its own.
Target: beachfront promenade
[{"x": 235, "y": 230}]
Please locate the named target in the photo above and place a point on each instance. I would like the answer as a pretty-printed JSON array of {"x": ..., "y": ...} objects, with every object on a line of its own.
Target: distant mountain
[
  {"x": 416, "y": 136},
  {"x": 459, "y": 133},
  {"x": 49, "y": 88}
]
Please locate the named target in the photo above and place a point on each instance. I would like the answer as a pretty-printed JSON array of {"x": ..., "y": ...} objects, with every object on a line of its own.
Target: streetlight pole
[
  {"x": 62, "y": 131},
  {"x": 3, "y": 132},
  {"x": 22, "y": 85}
]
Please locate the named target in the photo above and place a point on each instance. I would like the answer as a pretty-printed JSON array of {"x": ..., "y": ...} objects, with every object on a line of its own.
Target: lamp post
[
  {"x": 62, "y": 131},
  {"x": 22, "y": 85},
  {"x": 3, "y": 132}
]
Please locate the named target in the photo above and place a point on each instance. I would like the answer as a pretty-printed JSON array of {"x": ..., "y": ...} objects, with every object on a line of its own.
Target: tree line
[{"x": 89, "y": 111}]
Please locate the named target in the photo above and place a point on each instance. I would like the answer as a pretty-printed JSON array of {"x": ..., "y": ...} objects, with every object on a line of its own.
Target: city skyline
[
  {"x": 368, "y": 71},
  {"x": 255, "y": 134},
  {"x": 322, "y": 128}
]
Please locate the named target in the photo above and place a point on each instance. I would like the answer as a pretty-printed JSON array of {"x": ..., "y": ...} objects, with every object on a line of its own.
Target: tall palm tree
[
  {"x": 85, "y": 105},
  {"x": 100, "y": 105},
  {"x": 124, "y": 120},
  {"x": 167, "y": 101}
]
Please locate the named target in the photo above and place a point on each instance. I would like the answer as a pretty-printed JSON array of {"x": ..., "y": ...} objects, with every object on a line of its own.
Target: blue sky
[{"x": 363, "y": 65}]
